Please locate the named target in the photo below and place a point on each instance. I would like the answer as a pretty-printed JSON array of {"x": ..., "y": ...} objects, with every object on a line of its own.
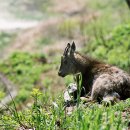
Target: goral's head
[{"x": 68, "y": 65}]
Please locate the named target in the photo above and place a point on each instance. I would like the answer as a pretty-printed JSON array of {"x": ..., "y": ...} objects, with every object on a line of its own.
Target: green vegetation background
[{"x": 109, "y": 40}]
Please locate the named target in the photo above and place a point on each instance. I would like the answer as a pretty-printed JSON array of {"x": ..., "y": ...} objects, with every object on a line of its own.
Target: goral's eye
[{"x": 65, "y": 61}]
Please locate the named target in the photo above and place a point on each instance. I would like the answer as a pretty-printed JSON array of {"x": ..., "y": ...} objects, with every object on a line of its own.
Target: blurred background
[{"x": 33, "y": 35}]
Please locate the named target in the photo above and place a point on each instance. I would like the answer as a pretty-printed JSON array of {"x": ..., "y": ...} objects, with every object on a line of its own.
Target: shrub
[
  {"x": 114, "y": 50},
  {"x": 24, "y": 70}
]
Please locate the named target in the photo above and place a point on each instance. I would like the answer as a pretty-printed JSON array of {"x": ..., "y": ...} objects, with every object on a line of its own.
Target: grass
[
  {"x": 46, "y": 113},
  {"x": 105, "y": 16},
  {"x": 6, "y": 38},
  {"x": 84, "y": 117},
  {"x": 2, "y": 94},
  {"x": 24, "y": 70},
  {"x": 108, "y": 49}
]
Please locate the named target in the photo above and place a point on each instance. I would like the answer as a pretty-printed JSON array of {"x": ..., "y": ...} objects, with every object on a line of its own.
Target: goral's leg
[
  {"x": 111, "y": 99},
  {"x": 102, "y": 87}
]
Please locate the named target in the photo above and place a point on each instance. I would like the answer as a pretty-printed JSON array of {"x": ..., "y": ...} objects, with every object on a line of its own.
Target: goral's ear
[
  {"x": 73, "y": 48},
  {"x": 66, "y": 51},
  {"x": 68, "y": 45}
]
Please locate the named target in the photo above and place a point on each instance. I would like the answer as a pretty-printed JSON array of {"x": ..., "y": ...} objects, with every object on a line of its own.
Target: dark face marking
[{"x": 67, "y": 61}]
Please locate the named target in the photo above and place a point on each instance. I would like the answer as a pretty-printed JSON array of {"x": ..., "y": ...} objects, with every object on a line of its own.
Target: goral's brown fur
[
  {"x": 101, "y": 79},
  {"x": 98, "y": 78}
]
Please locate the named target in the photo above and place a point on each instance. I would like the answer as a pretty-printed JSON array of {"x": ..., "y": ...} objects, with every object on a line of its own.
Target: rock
[{"x": 71, "y": 90}]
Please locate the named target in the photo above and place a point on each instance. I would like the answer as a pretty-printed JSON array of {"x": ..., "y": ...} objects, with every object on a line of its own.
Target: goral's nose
[{"x": 59, "y": 73}]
